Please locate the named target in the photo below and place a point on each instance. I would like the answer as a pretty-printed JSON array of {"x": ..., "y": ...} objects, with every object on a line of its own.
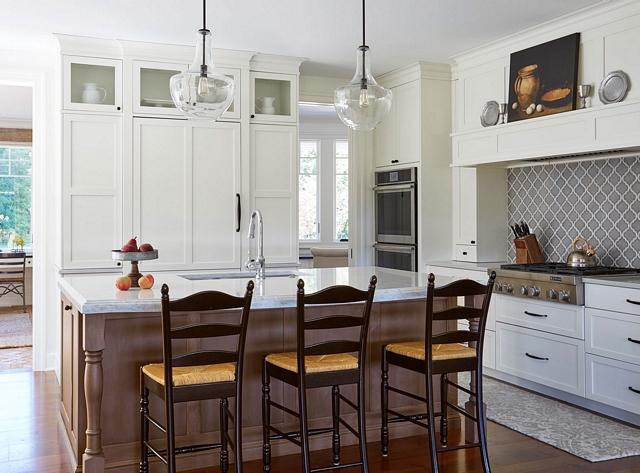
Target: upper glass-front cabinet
[
  {"x": 92, "y": 84},
  {"x": 274, "y": 98},
  {"x": 151, "y": 94}
]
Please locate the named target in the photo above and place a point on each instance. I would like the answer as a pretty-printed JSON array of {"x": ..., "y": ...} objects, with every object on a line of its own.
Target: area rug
[
  {"x": 581, "y": 433},
  {"x": 15, "y": 329}
]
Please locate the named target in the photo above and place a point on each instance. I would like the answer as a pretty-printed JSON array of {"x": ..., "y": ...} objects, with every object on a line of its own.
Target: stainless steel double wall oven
[{"x": 396, "y": 222}]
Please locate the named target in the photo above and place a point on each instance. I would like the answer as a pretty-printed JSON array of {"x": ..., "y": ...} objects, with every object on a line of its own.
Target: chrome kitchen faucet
[{"x": 252, "y": 264}]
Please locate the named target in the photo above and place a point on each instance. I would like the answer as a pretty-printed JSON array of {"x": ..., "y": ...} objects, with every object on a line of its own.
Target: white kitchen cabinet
[
  {"x": 613, "y": 382},
  {"x": 92, "y": 191},
  {"x": 274, "y": 97},
  {"x": 480, "y": 214},
  {"x": 187, "y": 181},
  {"x": 398, "y": 137},
  {"x": 151, "y": 94},
  {"x": 274, "y": 184},
  {"x": 102, "y": 76}
]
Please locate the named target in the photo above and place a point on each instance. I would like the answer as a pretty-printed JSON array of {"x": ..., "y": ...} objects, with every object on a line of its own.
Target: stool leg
[
  {"x": 362, "y": 428},
  {"x": 384, "y": 431},
  {"x": 444, "y": 424},
  {"x": 482, "y": 432},
  {"x": 304, "y": 427},
  {"x": 432, "y": 425},
  {"x": 266, "y": 420},
  {"x": 237, "y": 427},
  {"x": 335, "y": 408},
  {"x": 144, "y": 426},
  {"x": 224, "y": 429}
]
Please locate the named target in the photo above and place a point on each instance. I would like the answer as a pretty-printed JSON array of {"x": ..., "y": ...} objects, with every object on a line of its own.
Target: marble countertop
[
  {"x": 631, "y": 281},
  {"x": 95, "y": 294},
  {"x": 467, "y": 265}
]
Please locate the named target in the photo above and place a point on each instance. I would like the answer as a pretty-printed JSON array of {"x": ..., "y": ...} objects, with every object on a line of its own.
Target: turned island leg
[{"x": 93, "y": 457}]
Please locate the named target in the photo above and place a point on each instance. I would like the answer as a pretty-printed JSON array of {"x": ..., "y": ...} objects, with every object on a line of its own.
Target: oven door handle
[
  {"x": 398, "y": 248},
  {"x": 394, "y": 187}
]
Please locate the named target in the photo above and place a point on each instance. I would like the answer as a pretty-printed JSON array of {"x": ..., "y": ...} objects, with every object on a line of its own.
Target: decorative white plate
[
  {"x": 490, "y": 113},
  {"x": 158, "y": 102},
  {"x": 613, "y": 87}
]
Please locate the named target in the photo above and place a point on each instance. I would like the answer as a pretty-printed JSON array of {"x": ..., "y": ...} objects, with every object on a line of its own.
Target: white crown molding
[
  {"x": 276, "y": 63},
  {"x": 91, "y": 47},
  {"x": 594, "y": 16},
  {"x": 415, "y": 71}
]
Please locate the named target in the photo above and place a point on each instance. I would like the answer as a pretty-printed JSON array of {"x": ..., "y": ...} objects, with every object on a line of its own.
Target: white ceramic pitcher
[
  {"x": 91, "y": 93},
  {"x": 266, "y": 105}
]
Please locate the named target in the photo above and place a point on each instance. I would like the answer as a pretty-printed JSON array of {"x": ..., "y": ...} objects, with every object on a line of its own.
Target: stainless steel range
[{"x": 553, "y": 282}]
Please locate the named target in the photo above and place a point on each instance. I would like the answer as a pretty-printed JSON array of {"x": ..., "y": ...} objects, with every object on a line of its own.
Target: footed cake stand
[{"x": 134, "y": 257}]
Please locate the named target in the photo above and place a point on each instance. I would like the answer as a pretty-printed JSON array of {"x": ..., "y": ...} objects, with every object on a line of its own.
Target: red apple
[
  {"x": 123, "y": 283},
  {"x": 146, "y": 282},
  {"x": 128, "y": 249},
  {"x": 146, "y": 247}
]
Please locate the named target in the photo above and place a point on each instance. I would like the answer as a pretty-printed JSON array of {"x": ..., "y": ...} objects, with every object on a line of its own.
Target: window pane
[
  {"x": 308, "y": 207},
  {"x": 342, "y": 149},
  {"x": 15, "y": 210},
  {"x": 309, "y": 149},
  {"x": 342, "y": 207},
  {"x": 4, "y": 167},
  {"x": 20, "y": 153},
  {"x": 308, "y": 166},
  {"x": 4, "y": 153},
  {"x": 342, "y": 166},
  {"x": 20, "y": 168}
]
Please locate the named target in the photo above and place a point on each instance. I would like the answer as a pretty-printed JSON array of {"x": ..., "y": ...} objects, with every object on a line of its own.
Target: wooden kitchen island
[{"x": 108, "y": 334}]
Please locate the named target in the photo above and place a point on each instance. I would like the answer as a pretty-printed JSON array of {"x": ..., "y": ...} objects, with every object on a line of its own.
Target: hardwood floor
[{"x": 31, "y": 441}]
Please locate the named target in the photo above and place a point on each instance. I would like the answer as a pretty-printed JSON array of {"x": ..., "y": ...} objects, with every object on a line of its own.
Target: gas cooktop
[{"x": 563, "y": 268}]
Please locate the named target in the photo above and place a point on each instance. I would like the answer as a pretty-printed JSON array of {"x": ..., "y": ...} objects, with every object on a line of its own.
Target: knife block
[{"x": 528, "y": 250}]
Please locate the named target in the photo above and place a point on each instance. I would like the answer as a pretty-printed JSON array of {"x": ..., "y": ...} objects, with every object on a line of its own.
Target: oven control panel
[{"x": 540, "y": 289}]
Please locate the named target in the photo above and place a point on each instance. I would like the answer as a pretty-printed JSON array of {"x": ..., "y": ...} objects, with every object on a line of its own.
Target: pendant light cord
[
  {"x": 203, "y": 67},
  {"x": 364, "y": 66}
]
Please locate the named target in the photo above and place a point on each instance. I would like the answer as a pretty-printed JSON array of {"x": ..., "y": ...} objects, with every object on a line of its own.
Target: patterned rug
[
  {"x": 15, "y": 329},
  {"x": 581, "y": 433}
]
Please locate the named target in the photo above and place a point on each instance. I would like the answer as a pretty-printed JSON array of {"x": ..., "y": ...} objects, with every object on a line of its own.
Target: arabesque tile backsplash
[{"x": 598, "y": 200}]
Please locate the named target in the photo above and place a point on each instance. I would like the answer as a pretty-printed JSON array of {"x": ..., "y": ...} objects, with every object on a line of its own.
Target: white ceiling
[
  {"x": 327, "y": 32},
  {"x": 15, "y": 102}
]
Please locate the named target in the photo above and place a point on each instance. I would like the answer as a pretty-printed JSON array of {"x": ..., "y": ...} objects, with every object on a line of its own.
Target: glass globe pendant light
[
  {"x": 202, "y": 92},
  {"x": 362, "y": 104}
]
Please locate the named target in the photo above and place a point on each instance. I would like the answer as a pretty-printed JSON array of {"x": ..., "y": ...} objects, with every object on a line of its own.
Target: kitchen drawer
[
  {"x": 489, "y": 351},
  {"x": 608, "y": 334},
  {"x": 562, "y": 363},
  {"x": 567, "y": 320},
  {"x": 466, "y": 253},
  {"x": 608, "y": 381},
  {"x": 612, "y": 298}
]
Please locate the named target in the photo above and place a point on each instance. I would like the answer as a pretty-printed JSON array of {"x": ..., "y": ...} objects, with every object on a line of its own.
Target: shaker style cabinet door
[
  {"x": 92, "y": 191},
  {"x": 186, "y": 180},
  {"x": 92, "y": 84}
]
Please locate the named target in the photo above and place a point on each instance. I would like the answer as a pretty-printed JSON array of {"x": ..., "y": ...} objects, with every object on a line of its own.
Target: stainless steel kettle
[{"x": 582, "y": 256}]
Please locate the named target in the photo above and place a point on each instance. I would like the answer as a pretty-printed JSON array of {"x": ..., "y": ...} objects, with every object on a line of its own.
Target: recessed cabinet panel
[
  {"x": 159, "y": 188},
  {"x": 465, "y": 227},
  {"x": 274, "y": 98},
  {"x": 92, "y": 229},
  {"x": 478, "y": 90},
  {"x": 280, "y": 229},
  {"x": 92, "y": 191},
  {"x": 621, "y": 52},
  {"x": 93, "y": 161},
  {"x": 215, "y": 182},
  {"x": 92, "y": 84},
  {"x": 233, "y": 112},
  {"x": 275, "y": 152}
]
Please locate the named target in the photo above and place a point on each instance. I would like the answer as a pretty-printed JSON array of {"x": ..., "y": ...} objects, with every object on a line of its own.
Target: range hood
[{"x": 595, "y": 133}]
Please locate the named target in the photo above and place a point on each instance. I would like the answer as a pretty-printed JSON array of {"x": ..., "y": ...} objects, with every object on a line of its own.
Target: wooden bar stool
[
  {"x": 197, "y": 374},
  {"x": 328, "y": 363},
  {"x": 441, "y": 354}
]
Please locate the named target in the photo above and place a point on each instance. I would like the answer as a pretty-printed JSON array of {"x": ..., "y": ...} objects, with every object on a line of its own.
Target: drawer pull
[
  {"x": 632, "y": 340},
  {"x": 634, "y": 390},
  {"x": 633, "y": 302},
  {"x": 532, "y": 314},
  {"x": 68, "y": 307},
  {"x": 537, "y": 357}
]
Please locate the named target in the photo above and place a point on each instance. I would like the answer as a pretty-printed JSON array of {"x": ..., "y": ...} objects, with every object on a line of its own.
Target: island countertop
[{"x": 97, "y": 294}]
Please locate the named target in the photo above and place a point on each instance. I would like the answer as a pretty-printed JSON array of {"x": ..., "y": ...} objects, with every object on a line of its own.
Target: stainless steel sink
[{"x": 242, "y": 275}]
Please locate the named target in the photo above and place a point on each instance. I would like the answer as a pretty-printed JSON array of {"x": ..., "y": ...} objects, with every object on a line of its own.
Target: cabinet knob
[
  {"x": 393, "y": 161},
  {"x": 253, "y": 116},
  {"x": 119, "y": 263},
  {"x": 119, "y": 108},
  {"x": 464, "y": 253},
  {"x": 473, "y": 242},
  {"x": 67, "y": 307}
]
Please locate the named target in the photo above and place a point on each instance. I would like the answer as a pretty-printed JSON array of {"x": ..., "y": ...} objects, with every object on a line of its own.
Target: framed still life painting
[{"x": 543, "y": 79}]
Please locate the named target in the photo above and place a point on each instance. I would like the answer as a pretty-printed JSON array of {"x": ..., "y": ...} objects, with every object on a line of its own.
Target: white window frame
[
  {"x": 18, "y": 144},
  {"x": 318, "y": 195},
  {"x": 334, "y": 230}
]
